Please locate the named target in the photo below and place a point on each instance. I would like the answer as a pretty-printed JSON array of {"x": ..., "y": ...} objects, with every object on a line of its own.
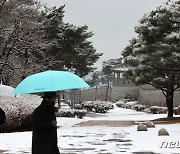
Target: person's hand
[{"x": 54, "y": 123}]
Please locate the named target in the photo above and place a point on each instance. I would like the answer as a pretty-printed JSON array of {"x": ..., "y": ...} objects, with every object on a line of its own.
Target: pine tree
[
  {"x": 68, "y": 44},
  {"x": 155, "y": 54}
]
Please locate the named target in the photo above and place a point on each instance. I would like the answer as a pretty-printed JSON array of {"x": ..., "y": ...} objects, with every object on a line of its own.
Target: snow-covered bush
[
  {"x": 147, "y": 110},
  {"x": 110, "y": 105},
  {"x": 65, "y": 113},
  {"x": 78, "y": 106},
  {"x": 135, "y": 107},
  {"x": 71, "y": 113},
  {"x": 163, "y": 110},
  {"x": 127, "y": 106},
  {"x": 100, "y": 109},
  {"x": 120, "y": 104},
  {"x": 175, "y": 110},
  {"x": 80, "y": 113},
  {"x": 19, "y": 113},
  {"x": 154, "y": 109},
  {"x": 98, "y": 106},
  {"x": 138, "y": 107},
  {"x": 88, "y": 105},
  {"x": 141, "y": 108},
  {"x": 178, "y": 110},
  {"x": 130, "y": 104}
]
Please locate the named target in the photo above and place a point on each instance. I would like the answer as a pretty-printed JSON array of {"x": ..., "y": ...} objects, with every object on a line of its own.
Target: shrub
[
  {"x": 71, "y": 113},
  {"x": 78, "y": 107},
  {"x": 141, "y": 108},
  {"x": 120, "y": 104},
  {"x": 18, "y": 113},
  {"x": 65, "y": 113},
  {"x": 98, "y": 106},
  {"x": 178, "y": 110},
  {"x": 80, "y": 113},
  {"x": 154, "y": 109}
]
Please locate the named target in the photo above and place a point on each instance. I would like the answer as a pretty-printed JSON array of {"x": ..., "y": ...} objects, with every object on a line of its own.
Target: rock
[
  {"x": 163, "y": 132},
  {"x": 150, "y": 124},
  {"x": 141, "y": 127}
]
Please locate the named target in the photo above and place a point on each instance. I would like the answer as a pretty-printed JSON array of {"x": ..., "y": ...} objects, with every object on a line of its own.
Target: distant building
[
  {"x": 122, "y": 87},
  {"x": 118, "y": 79}
]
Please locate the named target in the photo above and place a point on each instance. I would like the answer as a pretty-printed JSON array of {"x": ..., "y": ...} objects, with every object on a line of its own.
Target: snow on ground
[{"x": 102, "y": 139}]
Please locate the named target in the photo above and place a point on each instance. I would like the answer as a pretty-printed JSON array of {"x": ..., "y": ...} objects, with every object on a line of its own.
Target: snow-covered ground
[{"x": 102, "y": 139}]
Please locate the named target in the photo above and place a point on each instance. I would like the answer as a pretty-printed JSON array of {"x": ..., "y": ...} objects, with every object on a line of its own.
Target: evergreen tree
[
  {"x": 107, "y": 71},
  {"x": 155, "y": 54},
  {"x": 69, "y": 44}
]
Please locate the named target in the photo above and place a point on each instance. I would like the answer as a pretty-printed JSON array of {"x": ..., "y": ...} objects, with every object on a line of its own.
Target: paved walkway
[{"x": 106, "y": 123}]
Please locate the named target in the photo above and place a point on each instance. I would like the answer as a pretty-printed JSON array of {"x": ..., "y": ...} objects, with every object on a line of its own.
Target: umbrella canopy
[{"x": 50, "y": 81}]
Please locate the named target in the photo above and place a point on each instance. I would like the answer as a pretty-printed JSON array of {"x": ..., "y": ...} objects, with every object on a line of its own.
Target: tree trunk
[
  {"x": 169, "y": 102},
  {"x": 1, "y": 77},
  {"x": 95, "y": 93},
  {"x": 107, "y": 91}
]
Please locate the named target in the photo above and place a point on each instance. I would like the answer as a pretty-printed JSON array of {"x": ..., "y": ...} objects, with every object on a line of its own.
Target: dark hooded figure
[
  {"x": 2, "y": 117},
  {"x": 44, "y": 138}
]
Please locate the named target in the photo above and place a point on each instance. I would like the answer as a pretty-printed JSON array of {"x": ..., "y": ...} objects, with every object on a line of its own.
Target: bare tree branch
[{"x": 2, "y": 5}]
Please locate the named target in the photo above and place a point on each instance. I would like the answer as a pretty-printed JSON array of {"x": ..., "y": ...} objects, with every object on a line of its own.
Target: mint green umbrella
[{"x": 50, "y": 81}]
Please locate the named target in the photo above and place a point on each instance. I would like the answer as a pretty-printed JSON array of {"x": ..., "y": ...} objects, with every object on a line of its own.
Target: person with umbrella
[{"x": 44, "y": 138}]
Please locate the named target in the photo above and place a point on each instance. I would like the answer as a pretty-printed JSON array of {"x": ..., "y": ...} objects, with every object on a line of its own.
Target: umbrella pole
[
  {"x": 59, "y": 103},
  {"x": 59, "y": 99},
  {"x": 72, "y": 98}
]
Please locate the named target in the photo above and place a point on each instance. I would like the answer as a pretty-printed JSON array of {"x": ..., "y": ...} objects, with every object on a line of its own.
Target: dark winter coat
[
  {"x": 44, "y": 140},
  {"x": 2, "y": 117}
]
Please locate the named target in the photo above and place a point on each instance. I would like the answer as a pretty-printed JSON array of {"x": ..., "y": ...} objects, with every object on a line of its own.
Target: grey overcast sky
[{"x": 111, "y": 21}]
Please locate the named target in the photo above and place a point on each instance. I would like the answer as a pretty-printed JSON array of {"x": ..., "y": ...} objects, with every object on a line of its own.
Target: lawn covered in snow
[{"x": 102, "y": 139}]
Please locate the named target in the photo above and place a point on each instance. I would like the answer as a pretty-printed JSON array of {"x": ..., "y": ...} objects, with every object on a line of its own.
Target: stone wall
[
  {"x": 122, "y": 92},
  {"x": 149, "y": 97},
  {"x": 114, "y": 93},
  {"x": 145, "y": 95},
  {"x": 94, "y": 94}
]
